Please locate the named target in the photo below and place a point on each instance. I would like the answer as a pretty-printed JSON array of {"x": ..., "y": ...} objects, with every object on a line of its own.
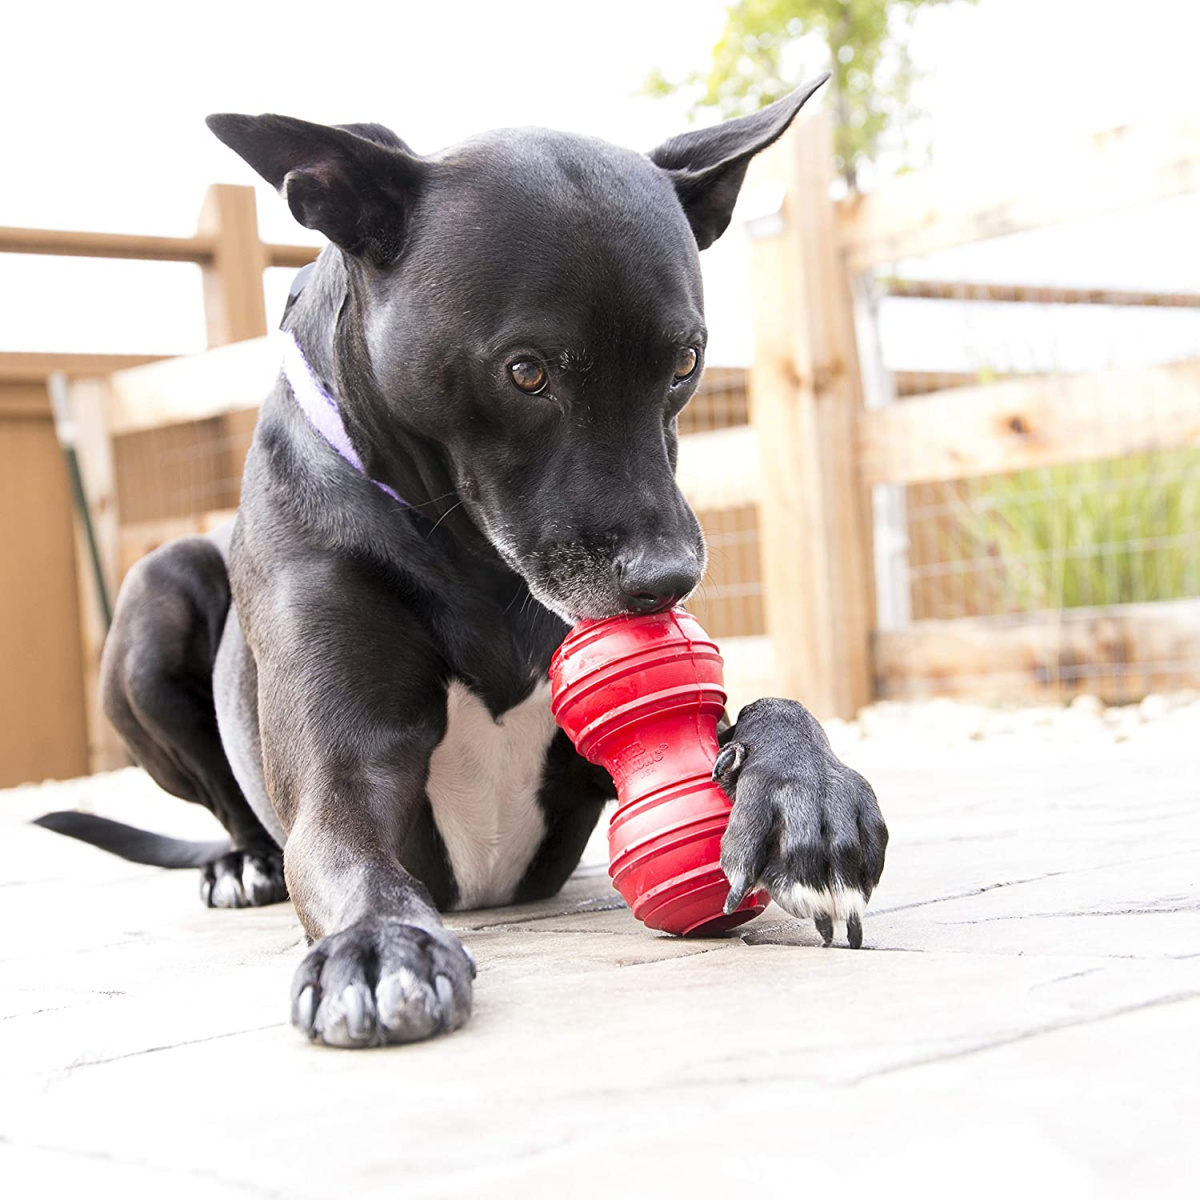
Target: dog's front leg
[
  {"x": 382, "y": 969},
  {"x": 804, "y": 825},
  {"x": 351, "y": 708}
]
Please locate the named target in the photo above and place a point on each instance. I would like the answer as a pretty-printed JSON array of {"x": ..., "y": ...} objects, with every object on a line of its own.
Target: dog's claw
[
  {"x": 306, "y": 1005},
  {"x": 355, "y": 1013},
  {"x": 727, "y": 765},
  {"x": 445, "y": 996},
  {"x": 738, "y": 887},
  {"x": 854, "y": 931},
  {"x": 824, "y": 923}
]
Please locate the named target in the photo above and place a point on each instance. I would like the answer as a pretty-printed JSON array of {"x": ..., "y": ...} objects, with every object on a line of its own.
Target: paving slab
[{"x": 1024, "y": 1015}]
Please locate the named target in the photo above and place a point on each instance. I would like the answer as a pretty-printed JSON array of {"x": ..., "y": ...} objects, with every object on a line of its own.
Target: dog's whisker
[
  {"x": 441, "y": 519},
  {"x": 514, "y": 600},
  {"x": 432, "y": 500}
]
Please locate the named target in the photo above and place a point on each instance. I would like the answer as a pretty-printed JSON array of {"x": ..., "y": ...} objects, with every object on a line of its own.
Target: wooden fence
[
  {"x": 801, "y": 473},
  {"x": 50, "y": 631},
  {"x": 845, "y": 448}
]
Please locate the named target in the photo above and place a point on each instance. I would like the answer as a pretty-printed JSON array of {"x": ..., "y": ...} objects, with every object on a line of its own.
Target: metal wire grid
[
  {"x": 183, "y": 470},
  {"x": 720, "y": 402},
  {"x": 1058, "y": 539},
  {"x": 729, "y": 603},
  {"x": 1120, "y": 531},
  {"x": 1050, "y": 539},
  {"x": 189, "y": 470}
]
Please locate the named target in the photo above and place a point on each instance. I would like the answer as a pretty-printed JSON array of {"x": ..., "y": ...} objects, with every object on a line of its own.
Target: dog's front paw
[
  {"x": 382, "y": 981},
  {"x": 804, "y": 825}
]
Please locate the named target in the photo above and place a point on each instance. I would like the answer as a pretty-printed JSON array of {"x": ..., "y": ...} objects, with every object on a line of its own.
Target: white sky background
[{"x": 102, "y": 107}]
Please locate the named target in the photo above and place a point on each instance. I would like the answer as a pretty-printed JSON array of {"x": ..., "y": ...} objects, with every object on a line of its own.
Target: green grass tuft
[{"x": 1120, "y": 531}]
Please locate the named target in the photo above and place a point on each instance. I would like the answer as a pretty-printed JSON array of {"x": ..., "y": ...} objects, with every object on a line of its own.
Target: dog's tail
[{"x": 136, "y": 845}]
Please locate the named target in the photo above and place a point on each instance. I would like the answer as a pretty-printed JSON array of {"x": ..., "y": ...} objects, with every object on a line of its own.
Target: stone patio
[{"x": 1025, "y": 1014}]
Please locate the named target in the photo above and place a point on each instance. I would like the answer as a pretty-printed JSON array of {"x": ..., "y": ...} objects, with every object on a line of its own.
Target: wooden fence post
[
  {"x": 805, "y": 398},
  {"x": 234, "y": 308},
  {"x": 82, "y": 415},
  {"x": 888, "y": 502}
]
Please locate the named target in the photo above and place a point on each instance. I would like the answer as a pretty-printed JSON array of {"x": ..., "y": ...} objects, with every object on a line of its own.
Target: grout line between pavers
[
  {"x": 1004, "y": 883},
  {"x": 137, "y": 1163},
  {"x": 71, "y": 1068},
  {"x": 1028, "y": 1035}
]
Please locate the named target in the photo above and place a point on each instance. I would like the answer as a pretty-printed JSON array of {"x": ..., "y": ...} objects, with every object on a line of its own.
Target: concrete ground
[{"x": 1025, "y": 1014}]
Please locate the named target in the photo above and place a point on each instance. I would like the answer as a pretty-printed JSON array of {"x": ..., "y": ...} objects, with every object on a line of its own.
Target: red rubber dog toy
[{"x": 641, "y": 696}]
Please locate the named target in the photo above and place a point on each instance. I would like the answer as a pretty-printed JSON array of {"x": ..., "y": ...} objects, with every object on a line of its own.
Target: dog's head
[{"x": 528, "y": 306}]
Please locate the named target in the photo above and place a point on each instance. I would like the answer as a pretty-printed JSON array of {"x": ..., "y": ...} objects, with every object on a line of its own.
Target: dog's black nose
[{"x": 651, "y": 585}]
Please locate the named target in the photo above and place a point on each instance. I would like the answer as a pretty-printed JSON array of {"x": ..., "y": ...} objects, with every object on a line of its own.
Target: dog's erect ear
[
  {"x": 708, "y": 165},
  {"x": 356, "y": 185}
]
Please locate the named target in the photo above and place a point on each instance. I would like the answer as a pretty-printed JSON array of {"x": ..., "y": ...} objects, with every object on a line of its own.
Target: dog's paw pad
[{"x": 244, "y": 879}]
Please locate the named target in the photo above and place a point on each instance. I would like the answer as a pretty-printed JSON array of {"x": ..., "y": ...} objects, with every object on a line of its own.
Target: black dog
[{"x": 472, "y": 446}]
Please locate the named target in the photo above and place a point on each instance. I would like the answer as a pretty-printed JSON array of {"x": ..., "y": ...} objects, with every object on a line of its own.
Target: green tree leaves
[{"x": 768, "y": 46}]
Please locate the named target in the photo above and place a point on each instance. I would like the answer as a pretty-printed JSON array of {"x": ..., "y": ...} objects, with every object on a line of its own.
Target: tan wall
[{"x": 42, "y": 723}]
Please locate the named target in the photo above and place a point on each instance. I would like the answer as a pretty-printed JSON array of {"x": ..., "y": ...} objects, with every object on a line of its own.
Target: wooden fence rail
[
  {"x": 1122, "y": 652},
  {"x": 200, "y": 249},
  {"x": 1013, "y": 293},
  {"x": 935, "y": 210},
  {"x": 1036, "y": 422}
]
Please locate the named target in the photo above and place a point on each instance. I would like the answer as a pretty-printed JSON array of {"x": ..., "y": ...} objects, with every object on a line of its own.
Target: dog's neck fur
[
  {"x": 326, "y": 323},
  {"x": 433, "y": 544}
]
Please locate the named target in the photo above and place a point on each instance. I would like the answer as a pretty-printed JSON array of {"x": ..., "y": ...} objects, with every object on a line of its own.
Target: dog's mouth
[
  {"x": 590, "y": 576},
  {"x": 575, "y": 580}
]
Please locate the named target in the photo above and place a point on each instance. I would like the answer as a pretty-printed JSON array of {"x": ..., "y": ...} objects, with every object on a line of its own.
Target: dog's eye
[
  {"x": 685, "y": 363},
  {"x": 530, "y": 377}
]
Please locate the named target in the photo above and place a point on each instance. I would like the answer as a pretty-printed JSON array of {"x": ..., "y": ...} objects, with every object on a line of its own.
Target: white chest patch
[{"x": 483, "y": 784}]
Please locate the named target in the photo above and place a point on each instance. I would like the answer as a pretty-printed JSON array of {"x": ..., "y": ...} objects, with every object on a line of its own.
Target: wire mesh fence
[
  {"x": 1086, "y": 560},
  {"x": 729, "y": 603},
  {"x": 187, "y": 471},
  {"x": 721, "y": 402},
  {"x": 1117, "y": 531},
  {"x": 1049, "y": 579},
  {"x": 181, "y": 470}
]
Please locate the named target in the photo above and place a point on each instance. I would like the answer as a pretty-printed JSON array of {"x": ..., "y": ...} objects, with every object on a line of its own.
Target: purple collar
[{"x": 321, "y": 408}]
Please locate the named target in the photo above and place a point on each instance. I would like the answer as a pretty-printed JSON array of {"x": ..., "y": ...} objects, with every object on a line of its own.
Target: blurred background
[{"x": 948, "y": 443}]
